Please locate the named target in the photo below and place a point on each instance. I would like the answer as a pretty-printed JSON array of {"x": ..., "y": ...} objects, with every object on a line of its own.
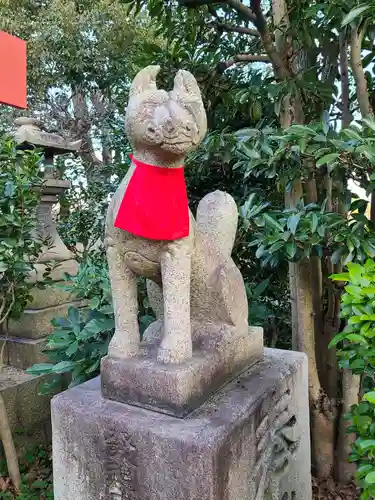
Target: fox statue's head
[{"x": 170, "y": 124}]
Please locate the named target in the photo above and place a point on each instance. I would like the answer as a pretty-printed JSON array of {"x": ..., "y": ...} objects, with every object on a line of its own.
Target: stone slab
[
  {"x": 249, "y": 442},
  {"x": 26, "y": 408},
  {"x": 70, "y": 266},
  {"x": 52, "y": 295},
  {"x": 36, "y": 323},
  {"x": 177, "y": 389},
  {"x": 23, "y": 353}
]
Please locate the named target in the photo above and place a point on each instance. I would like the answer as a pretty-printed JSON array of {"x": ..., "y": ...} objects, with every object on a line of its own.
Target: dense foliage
[
  {"x": 356, "y": 351},
  {"x": 20, "y": 182}
]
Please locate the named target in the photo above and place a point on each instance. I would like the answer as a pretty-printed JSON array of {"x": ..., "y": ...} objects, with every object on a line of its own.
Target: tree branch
[
  {"x": 242, "y": 58},
  {"x": 191, "y": 4},
  {"x": 279, "y": 67},
  {"x": 344, "y": 78},
  {"x": 243, "y": 9},
  {"x": 235, "y": 29},
  {"x": 358, "y": 72}
]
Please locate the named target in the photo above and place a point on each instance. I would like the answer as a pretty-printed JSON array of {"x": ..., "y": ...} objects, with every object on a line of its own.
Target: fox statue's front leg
[{"x": 176, "y": 345}]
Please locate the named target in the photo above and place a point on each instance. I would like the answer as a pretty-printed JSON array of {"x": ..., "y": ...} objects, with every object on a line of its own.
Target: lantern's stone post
[
  {"x": 35, "y": 324},
  {"x": 25, "y": 338}
]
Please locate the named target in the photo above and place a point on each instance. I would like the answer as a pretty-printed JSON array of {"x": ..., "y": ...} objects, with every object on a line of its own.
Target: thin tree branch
[
  {"x": 344, "y": 78},
  {"x": 260, "y": 22},
  {"x": 9, "y": 448},
  {"x": 4, "y": 315},
  {"x": 235, "y": 29},
  {"x": 358, "y": 72},
  {"x": 243, "y": 9},
  {"x": 191, "y": 4},
  {"x": 242, "y": 58}
]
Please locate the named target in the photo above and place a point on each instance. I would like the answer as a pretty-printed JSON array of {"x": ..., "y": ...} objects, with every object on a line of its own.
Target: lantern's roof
[{"x": 29, "y": 134}]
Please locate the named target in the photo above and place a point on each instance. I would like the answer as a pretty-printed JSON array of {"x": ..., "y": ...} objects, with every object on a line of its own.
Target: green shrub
[
  {"x": 80, "y": 340},
  {"x": 356, "y": 351},
  {"x": 20, "y": 182}
]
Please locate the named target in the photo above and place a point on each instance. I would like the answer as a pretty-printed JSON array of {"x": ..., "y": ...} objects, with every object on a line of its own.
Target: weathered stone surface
[
  {"x": 36, "y": 323},
  {"x": 29, "y": 134},
  {"x": 52, "y": 295},
  {"x": 57, "y": 274},
  {"x": 23, "y": 353},
  {"x": 178, "y": 389},
  {"x": 26, "y": 408},
  {"x": 249, "y": 442}
]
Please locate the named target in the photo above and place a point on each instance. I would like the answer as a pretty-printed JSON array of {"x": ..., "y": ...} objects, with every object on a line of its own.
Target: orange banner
[{"x": 13, "y": 70}]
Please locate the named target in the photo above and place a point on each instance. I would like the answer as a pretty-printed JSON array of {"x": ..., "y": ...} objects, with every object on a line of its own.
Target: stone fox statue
[{"x": 194, "y": 287}]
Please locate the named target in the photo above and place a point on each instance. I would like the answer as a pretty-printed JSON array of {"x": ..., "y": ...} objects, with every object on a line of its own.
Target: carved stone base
[
  {"x": 178, "y": 389},
  {"x": 36, "y": 323},
  {"x": 248, "y": 442},
  {"x": 23, "y": 353}
]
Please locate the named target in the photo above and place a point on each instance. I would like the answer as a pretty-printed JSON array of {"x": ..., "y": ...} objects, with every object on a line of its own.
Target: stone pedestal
[
  {"x": 249, "y": 441},
  {"x": 28, "y": 412},
  {"x": 178, "y": 389}
]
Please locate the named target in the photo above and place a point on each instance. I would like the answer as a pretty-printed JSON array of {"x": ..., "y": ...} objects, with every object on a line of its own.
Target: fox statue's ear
[
  {"x": 185, "y": 83},
  {"x": 144, "y": 81},
  {"x": 186, "y": 91}
]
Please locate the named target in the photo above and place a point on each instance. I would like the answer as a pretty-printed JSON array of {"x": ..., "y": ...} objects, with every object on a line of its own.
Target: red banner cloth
[
  {"x": 12, "y": 71},
  {"x": 155, "y": 205}
]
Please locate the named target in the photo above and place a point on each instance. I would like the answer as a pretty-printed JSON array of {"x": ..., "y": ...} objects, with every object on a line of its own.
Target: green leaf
[
  {"x": 353, "y": 290},
  {"x": 355, "y": 273},
  {"x": 367, "y": 444},
  {"x": 93, "y": 367},
  {"x": 327, "y": 159},
  {"x": 353, "y": 14},
  {"x": 72, "y": 349},
  {"x": 369, "y": 396},
  {"x": 357, "y": 364},
  {"x": 291, "y": 249},
  {"x": 260, "y": 288},
  {"x": 352, "y": 133},
  {"x": 340, "y": 277},
  {"x": 314, "y": 222},
  {"x": 3, "y": 267},
  {"x": 370, "y": 122},
  {"x": 300, "y": 130},
  {"x": 364, "y": 469},
  {"x": 64, "y": 366},
  {"x": 293, "y": 222},
  {"x": 270, "y": 221},
  {"x": 96, "y": 326},
  {"x": 354, "y": 337},
  {"x": 73, "y": 315},
  {"x": 95, "y": 302},
  {"x": 336, "y": 256},
  {"x": 40, "y": 368},
  {"x": 10, "y": 189},
  {"x": 370, "y": 478}
]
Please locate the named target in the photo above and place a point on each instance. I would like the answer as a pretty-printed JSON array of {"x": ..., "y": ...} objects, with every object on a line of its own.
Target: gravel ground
[{"x": 327, "y": 490}]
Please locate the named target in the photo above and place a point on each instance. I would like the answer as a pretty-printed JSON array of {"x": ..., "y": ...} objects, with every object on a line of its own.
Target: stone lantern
[{"x": 26, "y": 337}]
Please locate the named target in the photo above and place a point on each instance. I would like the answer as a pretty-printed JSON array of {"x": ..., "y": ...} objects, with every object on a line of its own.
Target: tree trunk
[
  {"x": 9, "y": 448},
  {"x": 357, "y": 35},
  {"x": 350, "y": 395}
]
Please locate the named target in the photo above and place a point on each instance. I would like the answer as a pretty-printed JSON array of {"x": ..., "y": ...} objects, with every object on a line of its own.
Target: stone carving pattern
[
  {"x": 277, "y": 441},
  {"x": 120, "y": 466}
]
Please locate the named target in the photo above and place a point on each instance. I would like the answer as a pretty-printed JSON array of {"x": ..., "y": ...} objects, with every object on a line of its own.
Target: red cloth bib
[{"x": 155, "y": 204}]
